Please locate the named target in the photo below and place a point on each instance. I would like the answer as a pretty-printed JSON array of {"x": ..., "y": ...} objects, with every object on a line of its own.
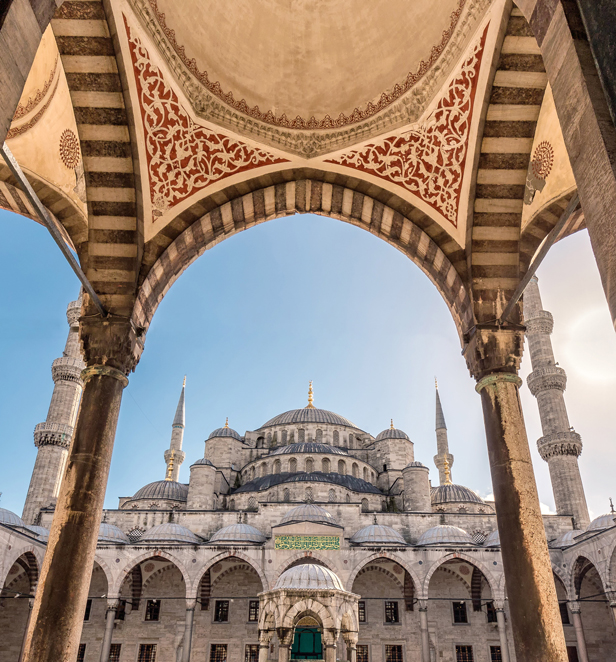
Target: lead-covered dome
[
  {"x": 308, "y": 512},
  {"x": 352, "y": 483},
  {"x": 39, "y": 531},
  {"x": 493, "y": 539},
  {"x": 309, "y": 415},
  {"x": 238, "y": 534},
  {"x": 378, "y": 534},
  {"x": 204, "y": 461},
  {"x": 392, "y": 433},
  {"x": 111, "y": 533},
  {"x": 9, "y": 518},
  {"x": 309, "y": 576},
  {"x": 445, "y": 535},
  {"x": 169, "y": 532},
  {"x": 454, "y": 494},
  {"x": 163, "y": 489},
  {"x": 225, "y": 432},
  {"x": 566, "y": 539},
  {"x": 309, "y": 447},
  {"x": 602, "y": 522}
]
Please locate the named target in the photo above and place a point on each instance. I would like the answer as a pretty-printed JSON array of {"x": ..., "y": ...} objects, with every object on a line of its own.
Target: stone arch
[
  {"x": 301, "y": 196},
  {"x": 228, "y": 571},
  {"x": 16, "y": 553},
  {"x": 200, "y": 572},
  {"x": 579, "y": 569},
  {"x": 390, "y": 556},
  {"x": 308, "y": 607},
  {"x": 306, "y": 557},
  {"x": 376, "y": 568},
  {"x": 29, "y": 563},
  {"x": 489, "y": 577},
  {"x": 116, "y": 585}
]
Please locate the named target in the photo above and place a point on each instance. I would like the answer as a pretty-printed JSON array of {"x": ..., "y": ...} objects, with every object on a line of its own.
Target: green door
[{"x": 307, "y": 644}]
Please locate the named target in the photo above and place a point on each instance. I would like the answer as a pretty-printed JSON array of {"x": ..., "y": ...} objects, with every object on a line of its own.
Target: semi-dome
[
  {"x": 392, "y": 433},
  {"x": 225, "y": 432},
  {"x": 493, "y": 539},
  {"x": 309, "y": 576},
  {"x": 566, "y": 539},
  {"x": 112, "y": 533},
  {"x": 352, "y": 483},
  {"x": 308, "y": 512},
  {"x": 454, "y": 494},
  {"x": 39, "y": 531},
  {"x": 445, "y": 535},
  {"x": 238, "y": 534},
  {"x": 9, "y": 518},
  {"x": 202, "y": 461},
  {"x": 163, "y": 489},
  {"x": 309, "y": 415},
  {"x": 169, "y": 532},
  {"x": 602, "y": 522},
  {"x": 377, "y": 534},
  {"x": 309, "y": 447}
]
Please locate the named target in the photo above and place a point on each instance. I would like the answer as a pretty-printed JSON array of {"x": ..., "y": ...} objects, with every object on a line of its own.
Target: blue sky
[{"x": 291, "y": 300}]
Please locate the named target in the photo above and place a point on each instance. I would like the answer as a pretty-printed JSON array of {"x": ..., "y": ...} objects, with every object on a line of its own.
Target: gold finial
[
  {"x": 391, "y": 427},
  {"x": 310, "y": 396},
  {"x": 436, "y": 383},
  {"x": 227, "y": 423},
  {"x": 169, "y": 475},
  {"x": 447, "y": 472},
  {"x": 184, "y": 383}
]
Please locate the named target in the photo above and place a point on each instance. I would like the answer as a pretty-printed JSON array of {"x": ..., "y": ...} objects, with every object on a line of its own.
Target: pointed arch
[
  {"x": 235, "y": 553},
  {"x": 490, "y": 578},
  {"x": 115, "y": 587},
  {"x": 308, "y": 607},
  {"x": 580, "y": 568},
  {"x": 306, "y": 557},
  {"x": 390, "y": 556},
  {"x": 17, "y": 552}
]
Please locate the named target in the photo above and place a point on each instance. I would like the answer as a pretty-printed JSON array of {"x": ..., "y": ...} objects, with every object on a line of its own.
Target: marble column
[
  {"x": 23, "y": 642},
  {"x": 110, "y": 616},
  {"x": 579, "y": 631},
  {"x": 425, "y": 635},
  {"x": 188, "y": 629},
  {"x": 502, "y": 632},
  {"x": 330, "y": 652}
]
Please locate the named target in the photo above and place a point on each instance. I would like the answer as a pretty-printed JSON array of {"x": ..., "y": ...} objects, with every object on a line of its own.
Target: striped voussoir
[
  {"x": 298, "y": 197},
  {"x": 88, "y": 56},
  {"x": 515, "y": 102}
]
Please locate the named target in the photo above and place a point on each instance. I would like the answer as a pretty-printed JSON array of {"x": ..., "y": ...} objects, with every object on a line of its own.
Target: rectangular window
[
  {"x": 121, "y": 612},
  {"x": 362, "y": 653},
  {"x": 393, "y": 653},
  {"x": 459, "y": 612},
  {"x": 218, "y": 653},
  {"x": 564, "y": 613},
  {"x": 114, "y": 652},
  {"x": 86, "y": 616},
  {"x": 572, "y": 654},
  {"x": 252, "y": 653},
  {"x": 221, "y": 611},
  {"x": 147, "y": 653},
  {"x": 391, "y": 612},
  {"x": 253, "y": 611},
  {"x": 464, "y": 654},
  {"x": 81, "y": 653},
  {"x": 361, "y": 611},
  {"x": 491, "y": 609},
  {"x": 495, "y": 654},
  {"x": 152, "y": 610}
]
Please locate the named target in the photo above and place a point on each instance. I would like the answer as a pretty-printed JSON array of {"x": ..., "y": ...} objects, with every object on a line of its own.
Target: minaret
[
  {"x": 560, "y": 446},
  {"x": 174, "y": 456},
  {"x": 53, "y": 437},
  {"x": 443, "y": 458}
]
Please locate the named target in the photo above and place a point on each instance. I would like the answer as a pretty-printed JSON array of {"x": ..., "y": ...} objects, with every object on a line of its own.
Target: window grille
[
  {"x": 114, "y": 652},
  {"x": 572, "y": 654},
  {"x": 362, "y": 653},
  {"x": 147, "y": 653},
  {"x": 491, "y": 610},
  {"x": 86, "y": 615},
  {"x": 459, "y": 612},
  {"x": 286, "y": 496},
  {"x": 218, "y": 653},
  {"x": 81, "y": 653},
  {"x": 495, "y": 654},
  {"x": 564, "y": 613},
  {"x": 391, "y": 612},
  {"x": 252, "y": 653},
  {"x": 464, "y": 654},
  {"x": 361, "y": 611},
  {"x": 393, "y": 653},
  {"x": 152, "y": 610},
  {"x": 221, "y": 611},
  {"x": 253, "y": 611},
  {"x": 331, "y": 496}
]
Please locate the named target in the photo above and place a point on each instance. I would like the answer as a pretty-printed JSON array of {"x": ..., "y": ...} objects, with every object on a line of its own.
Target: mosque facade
[{"x": 310, "y": 538}]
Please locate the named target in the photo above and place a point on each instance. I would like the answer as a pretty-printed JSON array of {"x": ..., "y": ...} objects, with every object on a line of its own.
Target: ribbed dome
[
  {"x": 309, "y": 448},
  {"x": 415, "y": 464},
  {"x": 445, "y": 535},
  {"x": 11, "y": 519},
  {"x": 377, "y": 534},
  {"x": 566, "y": 539},
  {"x": 602, "y": 522},
  {"x": 493, "y": 539},
  {"x": 40, "y": 531},
  {"x": 238, "y": 534},
  {"x": 392, "y": 433},
  {"x": 309, "y": 415},
  {"x": 225, "y": 432},
  {"x": 309, "y": 576},
  {"x": 454, "y": 494},
  {"x": 112, "y": 533},
  {"x": 202, "y": 461},
  {"x": 163, "y": 489},
  {"x": 308, "y": 512},
  {"x": 169, "y": 532}
]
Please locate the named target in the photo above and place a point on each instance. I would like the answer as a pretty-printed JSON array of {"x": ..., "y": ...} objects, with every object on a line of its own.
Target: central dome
[
  {"x": 309, "y": 576},
  {"x": 163, "y": 489},
  {"x": 309, "y": 415}
]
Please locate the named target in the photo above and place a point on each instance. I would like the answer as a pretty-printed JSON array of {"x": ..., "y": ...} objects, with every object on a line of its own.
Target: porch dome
[
  {"x": 169, "y": 532},
  {"x": 112, "y": 533},
  {"x": 238, "y": 534},
  {"x": 602, "y": 522},
  {"x": 308, "y": 512},
  {"x": 377, "y": 534},
  {"x": 445, "y": 535},
  {"x": 309, "y": 576}
]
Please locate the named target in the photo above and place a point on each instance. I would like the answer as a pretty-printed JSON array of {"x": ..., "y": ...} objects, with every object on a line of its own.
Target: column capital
[
  {"x": 111, "y": 342},
  {"x": 423, "y": 605},
  {"x": 113, "y": 604},
  {"x": 191, "y": 604},
  {"x": 497, "y": 377},
  {"x": 574, "y": 606},
  {"x": 494, "y": 350}
]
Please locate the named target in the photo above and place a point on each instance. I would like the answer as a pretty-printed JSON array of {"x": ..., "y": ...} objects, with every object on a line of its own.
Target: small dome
[
  {"x": 309, "y": 448},
  {"x": 111, "y": 533},
  {"x": 377, "y": 534},
  {"x": 309, "y": 415},
  {"x": 493, "y": 539},
  {"x": 238, "y": 534},
  {"x": 602, "y": 522},
  {"x": 40, "y": 531},
  {"x": 309, "y": 576},
  {"x": 308, "y": 512},
  {"x": 163, "y": 489},
  {"x": 566, "y": 539},
  {"x": 11, "y": 519},
  {"x": 454, "y": 494},
  {"x": 169, "y": 532},
  {"x": 445, "y": 535},
  {"x": 392, "y": 433},
  {"x": 416, "y": 464},
  {"x": 225, "y": 432},
  {"x": 202, "y": 461}
]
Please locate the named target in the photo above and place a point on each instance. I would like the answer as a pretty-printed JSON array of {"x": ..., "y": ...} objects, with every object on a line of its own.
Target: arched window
[
  {"x": 284, "y": 437},
  {"x": 366, "y": 474},
  {"x": 275, "y": 439},
  {"x": 355, "y": 470},
  {"x": 301, "y": 435},
  {"x": 350, "y": 440},
  {"x": 336, "y": 437},
  {"x": 348, "y": 498},
  {"x": 292, "y": 437},
  {"x": 252, "y": 473},
  {"x": 372, "y": 477},
  {"x": 260, "y": 442},
  {"x": 264, "y": 469},
  {"x": 269, "y": 438},
  {"x": 252, "y": 503},
  {"x": 293, "y": 465},
  {"x": 325, "y": 465},
  {"x": 277, "y": 466},
  {"x": 286, "y": 496},
  {"x": 341, "y": 467},
  {"x": 331, "y": 496},
  {"x": 309, "y": 465},
  {"x": 232, "y": 504},
  {"x": 308, "y": 495},
  {"x": 319, "y": 436},
  {"x": 364, "y": 505}
]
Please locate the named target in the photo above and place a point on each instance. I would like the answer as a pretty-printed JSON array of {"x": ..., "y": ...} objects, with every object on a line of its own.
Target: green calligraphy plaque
[{"x": 307, "y": 542}]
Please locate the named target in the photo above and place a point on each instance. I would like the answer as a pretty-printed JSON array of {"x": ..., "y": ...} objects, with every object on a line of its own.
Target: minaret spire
[
  {"x": 174, "y": 456},
  {"x": 443, "y": 458},
  {"x": 560, "y": 445}
]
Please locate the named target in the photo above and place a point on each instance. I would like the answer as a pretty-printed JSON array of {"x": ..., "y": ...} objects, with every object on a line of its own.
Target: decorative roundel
[
  {"x": 69, "y": 149},
  {"x": 148, "y": 567},
  {"x": 217, "y": 568},
  {"x": 464, "y": 570},
  {"x": 543, "y": 160}
]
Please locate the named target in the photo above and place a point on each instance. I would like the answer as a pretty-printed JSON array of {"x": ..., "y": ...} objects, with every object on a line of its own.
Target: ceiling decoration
[
  {"x": 23, "y": 109},
  {"x": 429, "y": 160},
  {"x": 182, "y": 156}
]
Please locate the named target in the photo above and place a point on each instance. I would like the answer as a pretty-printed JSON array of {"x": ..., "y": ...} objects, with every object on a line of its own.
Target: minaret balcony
[
  {"x": 547, "y": 378},
  {"x": 53, "y": 434},
  {"x": 539, "y": 322},
  {"x": 73, "y": 313},
  {"x": 560, "y": 443},
  {"x": 67, "y": 369}
]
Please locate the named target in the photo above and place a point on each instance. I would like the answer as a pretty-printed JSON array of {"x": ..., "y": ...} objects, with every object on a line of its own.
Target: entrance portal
[{"x": 307, "y": 644}]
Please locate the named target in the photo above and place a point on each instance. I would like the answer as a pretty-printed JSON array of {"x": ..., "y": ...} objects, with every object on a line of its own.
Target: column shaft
[
  {"x": 190, "y": 619},
  {"x": 535, "y": 617},
  {"x": 112, "y": 609},
  {"x": 502, "y": 633},
  {"x": 425, "y": 635},
  {"x": 284, "y": 653},
  {"x": 579, "y": 634},
  {"x": 55, "y": 627},
  {"x": 263, "y": 652}
]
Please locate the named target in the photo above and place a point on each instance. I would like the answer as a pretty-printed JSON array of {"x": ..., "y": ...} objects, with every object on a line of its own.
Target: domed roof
[
  {"x": 308, "y": 512},
  {"x": 169, "y": 532},
  {"x": 566, "y": 539},
  {"x": 225, "y": 432},
  {"x": 416, "y": 464},
  {"x": 238, "y": 534},
  {"x": 202, "y": 461},
  {"x": 11, "y": 519},
  {"x": 310, "y": 447},
  {"x": 40, "y": 532},
  {"x": 445, "y": 535},
  {"x": 602, "y": 522},
  {"x": 112, "y": 533},
  {"x": 377, "y": 534},
  {"x": 309, "y": 415},
  {"x": 309, "y": 576},
  {"x": 493, "y": 539},
  {"x": 392, "y": 433},
  {"x": 454, "y": 494},
  {"x": 163, "y": 489},
  {"x": 349, "y": 482}
]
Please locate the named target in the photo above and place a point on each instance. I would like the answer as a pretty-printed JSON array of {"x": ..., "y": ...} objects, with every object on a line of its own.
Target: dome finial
[
  {"x": 169, "y": 475},
  {"x": 391, "y": 427},
  {"x": 227, "y": 423},
  {"x": 436, "y": 383},
  {"x": 310, "y": 396},
  {"x": 184, "y": 382},
  {"x": 611, "y": 506},
  {"x": 447, "y": 472}
]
